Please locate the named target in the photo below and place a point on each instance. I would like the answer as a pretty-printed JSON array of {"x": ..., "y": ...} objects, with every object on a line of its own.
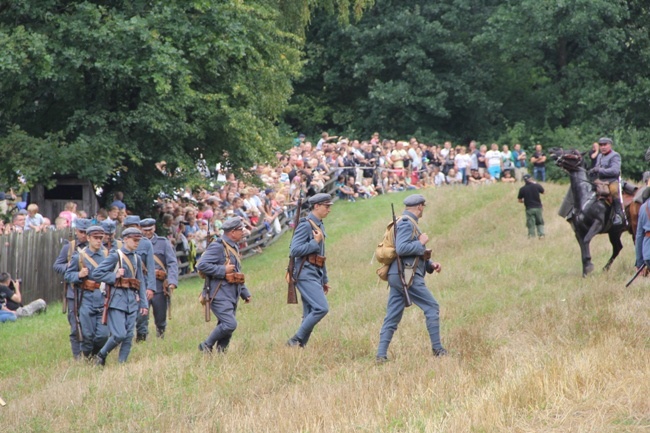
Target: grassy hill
[{"x": 535, "y": 347}]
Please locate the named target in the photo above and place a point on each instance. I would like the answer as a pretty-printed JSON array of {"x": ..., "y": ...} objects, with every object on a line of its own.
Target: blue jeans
[{"x": 539, "y": 173}]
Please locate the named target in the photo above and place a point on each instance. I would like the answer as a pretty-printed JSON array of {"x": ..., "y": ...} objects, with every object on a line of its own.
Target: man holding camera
[
  {"x": 411, "y": 249},
  {"x": 10, "y": 291}
]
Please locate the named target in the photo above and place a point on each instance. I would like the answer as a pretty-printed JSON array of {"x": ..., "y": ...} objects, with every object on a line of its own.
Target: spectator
[
  {"x": 18, "y": 221},
  {"x": 475, "y": 178},
  {"x": 69, "y": 213},
  {"x": 481, "y": 159},
  {"x": 593, "y": 154},
  {"x": 6, "y": 315},
  {"x": 519, "y": 161},
  {"x": 61, "y": 223},
  {"x": 453, "y": 178},
  {"x": 529, "y": 195},
  {"x": 439, "y": 179},
  {"x": 33, "y": 220},
  {"x": 10, "y": 289},
  {"x": 506, "y": 158},
  {"x": 398, "y": 157},
  {"x": 463, "y": 162},
  {"x": 113, "y": 213},
  {"x": 493, "y": 161},
  {"x": 539, "y": 163},
  {"x": 507, "y": 176}
]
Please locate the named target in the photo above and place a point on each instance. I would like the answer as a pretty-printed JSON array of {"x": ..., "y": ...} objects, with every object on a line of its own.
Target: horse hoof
[{"x": 586, "y": 271}]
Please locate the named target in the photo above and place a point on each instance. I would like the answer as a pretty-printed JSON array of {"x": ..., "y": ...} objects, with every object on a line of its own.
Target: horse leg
[
  {"x": 617, "y": 246},
  {"x": 584, "y": 241}
]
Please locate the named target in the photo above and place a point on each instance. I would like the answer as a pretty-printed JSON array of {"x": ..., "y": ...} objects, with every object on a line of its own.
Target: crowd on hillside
[{"x": 351, "y": 169}]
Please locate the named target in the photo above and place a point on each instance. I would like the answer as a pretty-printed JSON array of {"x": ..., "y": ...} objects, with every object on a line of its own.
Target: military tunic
[
  {"x": 124, "y": 304},
  {"x": 164, "y": 251},
  {"x": 224, "y": 295},
  {"x": 91, "y": 302},
  {"x": 145, "y": 251},
  {"x": 310, "y": 278}
]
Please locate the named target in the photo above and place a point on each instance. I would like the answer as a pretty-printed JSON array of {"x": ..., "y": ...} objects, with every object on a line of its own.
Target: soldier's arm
[
  {"x": 104, "y": 272},
  {"x": 139, "y": 274},
  {"x": 213, "y": 261},
  {"x": 72, "y": 272},
  {"x": 61, "y": 262},
  {"x": 613, "y": 169},
  {"x": 151, "y": 269},
  {"x": 171, "y": 262},
  {"x": 640, "y": 234},
  {"x": 303, "y": 242},
  {"x": 406, "y": 244}
]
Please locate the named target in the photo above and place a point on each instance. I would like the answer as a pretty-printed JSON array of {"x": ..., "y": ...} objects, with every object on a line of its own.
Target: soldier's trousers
[
  {"x": 95, "y": 334},
  {"x": 224, "y": 310},
  {"x": 121, "y": 326},
  {"x": 422, "y": 297},
  {"x": 159, "y": 305},
  {"x": 75, "y": 345},
  {"x": 314, "y": 307}
]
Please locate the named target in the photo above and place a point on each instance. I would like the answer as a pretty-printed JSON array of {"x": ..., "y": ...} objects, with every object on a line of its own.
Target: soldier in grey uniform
[
  {"x": 60, "y": 266},
  {"x": 145, "y": 251},
  {"x": 91, "y": 298},
  {"x": 410, "y": 245},
  {"x": 109, "y": 236},
  {"x": 122, "y": 270},
  {"x": 608, "y": 169},
  {"x": 310, "y": 272},
  {"x": 166, "y": 274},
  {"x": 221, "y": 265}
]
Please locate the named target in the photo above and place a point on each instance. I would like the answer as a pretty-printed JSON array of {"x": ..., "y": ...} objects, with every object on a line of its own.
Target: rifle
[
  {"x": 107, "y": 296},
  {"x": 638, "y": 272},
  {"x": 168, "y": 294},
  {"x": 80, "y": 337},
  {"x": 205, "y": 294},
  {"x": 400, "y": 266},
  {"x": 292, "y": 296}
]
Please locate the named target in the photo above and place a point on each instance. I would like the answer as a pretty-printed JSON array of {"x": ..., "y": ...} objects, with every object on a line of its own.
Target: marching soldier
[
  {"x": 410, "y": 246},
  {"x": 110, "y": 242},
  {"x": 166, "y": 274},
  {"x": 310, "y": 272},
  {"x": 60, "y": 266},
  {"x": 145, "y": 251},
  {"x": 221, "y": 265},
  {"x": 122, "y": 271},
  {"x": 91, "y": 298}
]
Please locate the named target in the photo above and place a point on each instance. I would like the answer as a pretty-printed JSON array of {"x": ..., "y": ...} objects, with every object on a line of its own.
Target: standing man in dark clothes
[{"x": 529, "y": 195}]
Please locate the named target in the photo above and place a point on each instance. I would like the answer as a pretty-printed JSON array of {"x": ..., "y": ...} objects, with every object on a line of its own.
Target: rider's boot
[{"x": 618, "y": 217}]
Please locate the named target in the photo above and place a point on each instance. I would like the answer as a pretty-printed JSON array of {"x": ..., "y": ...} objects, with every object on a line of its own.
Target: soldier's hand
[
  {"x": 248, "y": 300},
  {"x": 437, "y": 267},
  {"x": 423, "y": 238},
  {"x": 326, "y": 288},
  {"x": 318, "y": 235},
  {"x": 83, "y": 273},
  {"x": 119, "y": 273},
  {"x": 230, "y": 269},
  {"x": 149, "y": 294},
  {"x": 144, "y": 311}
]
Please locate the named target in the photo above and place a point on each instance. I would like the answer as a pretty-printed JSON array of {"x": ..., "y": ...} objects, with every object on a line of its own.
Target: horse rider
[{"x": 608, "y": 169}]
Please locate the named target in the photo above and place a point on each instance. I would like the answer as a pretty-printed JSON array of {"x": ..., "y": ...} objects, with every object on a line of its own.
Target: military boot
[
  {"x": 160, "y": 333},
  {"x": 295, "y": 341},
  {"x": 616, "y": 209},
  {"x": 440, "y": 352},
  {"x": 139, "y": 338},
  {"x": 100, "y": 360}
]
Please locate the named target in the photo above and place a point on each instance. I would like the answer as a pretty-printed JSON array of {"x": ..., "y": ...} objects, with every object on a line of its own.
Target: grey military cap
[
  {"x": 320, "y": 198},
  {"x": 147, "y": 223},
  {"x": 605, "y": 140},
  {"x": 232, "y": 224},
  {"x": 82, "y": 224},
  {"x": 414, "y": 200},
  {"x": 108, "y": 226},
  {"x": 132, "y": 220},
  {"x": 95, "y": 229},
  {"x": 131, "y": 232}
]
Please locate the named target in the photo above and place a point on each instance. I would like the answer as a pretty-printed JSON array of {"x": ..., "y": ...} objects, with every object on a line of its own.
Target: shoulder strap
[
  {"x": 71, "y": 246},
  {"x": 315, "y": 227},
  {"x": 83, "y": 254},
  {"x": 159, "y": 262},
  {"x": 230, "y": 250},
  {"x": 415, "y": 225},
  {"x": 124, "y": 258}
]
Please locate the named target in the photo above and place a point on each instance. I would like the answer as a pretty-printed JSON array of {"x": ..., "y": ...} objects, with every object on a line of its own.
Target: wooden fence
[{"x": 31, "y": 255}]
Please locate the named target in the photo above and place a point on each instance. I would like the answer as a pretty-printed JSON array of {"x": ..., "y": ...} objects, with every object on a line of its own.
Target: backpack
[{"x": 385, "y": 252}]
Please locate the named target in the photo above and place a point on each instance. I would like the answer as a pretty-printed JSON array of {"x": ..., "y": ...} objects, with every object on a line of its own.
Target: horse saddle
[{"x": 602, "y": 190}]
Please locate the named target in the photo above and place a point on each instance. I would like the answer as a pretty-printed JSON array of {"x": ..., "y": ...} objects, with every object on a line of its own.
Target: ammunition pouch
[
  {"x": 602, "y": 189},
  {"x": 235, "y": 278},
  {"x": 427, "y": 255},
  {"x": 90, "y": 285},
  {"x": 202, "y": 275},
  {"x": 127, "y": 283},
  {"x": 316, "y": 260},
  {"x": 161, "y": 275}
]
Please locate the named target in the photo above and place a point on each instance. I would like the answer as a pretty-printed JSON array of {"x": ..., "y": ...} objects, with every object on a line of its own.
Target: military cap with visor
[
  {"x": 82, "y": 224},
  {"x": 92, "y": 230},
  {"x": 320, "y": 198},
  {"x": 131, "y": 232},
  {"x": 147, "y": 223},
  {"x": 232, "y": 224},
  {"x": 414, "y": 200},
  {"x": 605, "y": 140},
  {"x": 108, "y": 226},
  {"x": 132, "y": 220}
]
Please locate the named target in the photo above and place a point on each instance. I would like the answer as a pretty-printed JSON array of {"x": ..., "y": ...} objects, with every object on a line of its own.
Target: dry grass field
[{"x": 535, "y": 347}]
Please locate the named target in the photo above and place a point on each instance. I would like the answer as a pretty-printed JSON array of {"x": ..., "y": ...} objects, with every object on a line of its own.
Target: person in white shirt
[
  {"x": 493, "y": 161},
  {"x": 463, "y": 161}
]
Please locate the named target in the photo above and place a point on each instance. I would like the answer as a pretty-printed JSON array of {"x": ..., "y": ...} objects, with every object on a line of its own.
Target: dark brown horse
[{"x": 592, "y": 215}]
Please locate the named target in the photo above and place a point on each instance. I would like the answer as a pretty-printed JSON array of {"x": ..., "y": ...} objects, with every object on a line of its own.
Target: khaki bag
[{"x": 385, "y": 252}]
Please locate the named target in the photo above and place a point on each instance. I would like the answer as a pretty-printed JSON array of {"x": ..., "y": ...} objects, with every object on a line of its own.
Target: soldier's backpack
[{"x": 385, "y": 252}]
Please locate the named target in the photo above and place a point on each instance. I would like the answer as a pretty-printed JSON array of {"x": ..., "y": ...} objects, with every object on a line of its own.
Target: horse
[{"x": 591, "y": 213}]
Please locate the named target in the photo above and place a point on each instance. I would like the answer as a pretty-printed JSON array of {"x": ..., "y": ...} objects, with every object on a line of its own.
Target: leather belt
[
  {"x": 316, "y": 260},
  {"x": 127, "y": 283},
  {"x": 90, "y": 285}
]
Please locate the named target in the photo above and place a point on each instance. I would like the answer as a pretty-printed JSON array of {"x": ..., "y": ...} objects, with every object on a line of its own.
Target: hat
[
  {"x": 94, "y": 229},
  {"x": 108, "y": 226},
  {"x": 414, "y": 200},
  {"x": 605, "y": 140},
  {"x": 131, "y": 232},
  {"x": 232, "y": 224},
  {"x": 301, "y": 135},
  {"x": 268, "y": 191},
  {"x": 132, "y": 220},
  {"x": 320, "y": 198},
  {"x": 147, "y": 223},
  {"x": 82, "y": 224},
  {"x": 526, "y": 177}
]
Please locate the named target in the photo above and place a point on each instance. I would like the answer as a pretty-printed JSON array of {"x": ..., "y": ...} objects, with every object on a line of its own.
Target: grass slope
[{"x": 536, "y": 348}]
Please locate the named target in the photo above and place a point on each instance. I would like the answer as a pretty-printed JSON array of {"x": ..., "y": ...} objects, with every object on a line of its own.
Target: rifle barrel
[{"x": 400, "y": 267}]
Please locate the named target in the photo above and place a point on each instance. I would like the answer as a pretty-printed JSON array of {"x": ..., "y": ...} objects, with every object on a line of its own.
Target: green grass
[{"x": 535, "y": 346}]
